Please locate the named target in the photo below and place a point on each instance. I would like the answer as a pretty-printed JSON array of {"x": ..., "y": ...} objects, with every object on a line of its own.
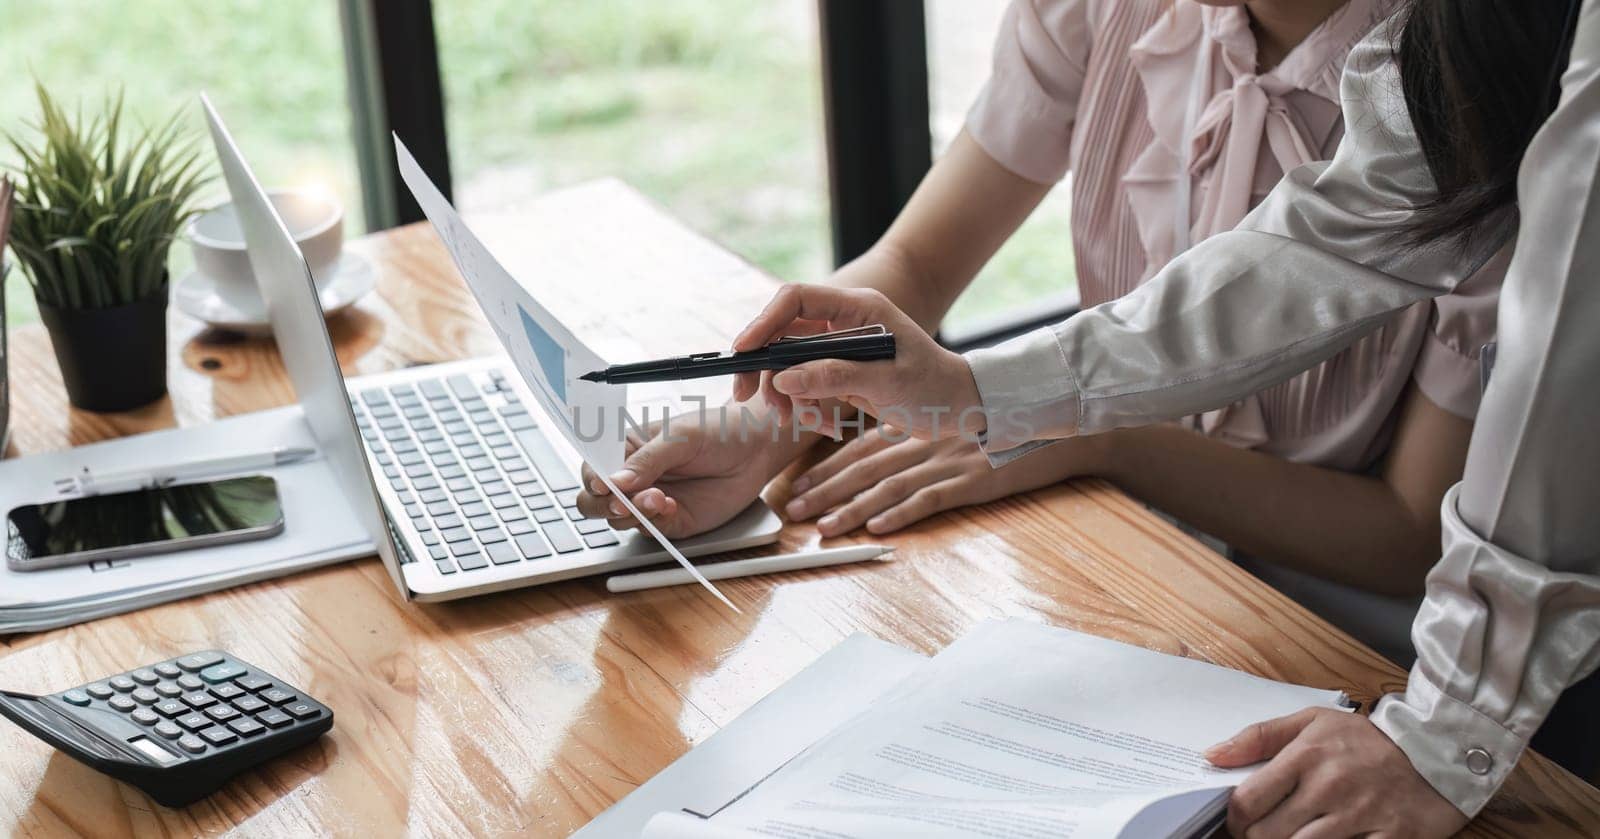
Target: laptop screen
[{"x": 285, "y": 283}]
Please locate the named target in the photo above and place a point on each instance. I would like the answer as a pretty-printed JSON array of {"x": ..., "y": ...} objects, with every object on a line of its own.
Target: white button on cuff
[{"x": 1479, "y": 762}]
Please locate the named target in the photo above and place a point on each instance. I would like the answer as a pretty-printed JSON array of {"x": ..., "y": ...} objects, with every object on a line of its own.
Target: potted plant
[{"x": 96, "y": 213}]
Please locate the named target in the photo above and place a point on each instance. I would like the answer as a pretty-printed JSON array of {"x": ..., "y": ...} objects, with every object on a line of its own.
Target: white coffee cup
[{"x": 315, "y": 220}]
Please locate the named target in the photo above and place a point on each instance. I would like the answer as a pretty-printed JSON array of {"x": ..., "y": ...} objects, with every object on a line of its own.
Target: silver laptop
[{"x": 448, "y": 465}]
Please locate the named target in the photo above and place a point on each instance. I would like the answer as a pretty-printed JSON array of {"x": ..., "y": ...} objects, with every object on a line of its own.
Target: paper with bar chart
[{"x": 547, "y": 354}]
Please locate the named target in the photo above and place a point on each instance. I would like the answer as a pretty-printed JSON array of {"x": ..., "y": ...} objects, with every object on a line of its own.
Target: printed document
[{"x": 1018, "y": 731}]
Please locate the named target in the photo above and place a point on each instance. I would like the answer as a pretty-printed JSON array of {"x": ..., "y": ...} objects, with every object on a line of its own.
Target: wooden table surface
[{"x": 529, "y": 712}]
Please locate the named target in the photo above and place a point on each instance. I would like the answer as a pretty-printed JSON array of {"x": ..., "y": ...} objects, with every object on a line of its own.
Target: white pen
[
  {"x": 94, "y": 483},
  {"x": 747, "y": 567}
]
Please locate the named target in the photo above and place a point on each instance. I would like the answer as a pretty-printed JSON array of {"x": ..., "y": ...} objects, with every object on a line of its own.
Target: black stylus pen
[{"x": 867, "y": 343}]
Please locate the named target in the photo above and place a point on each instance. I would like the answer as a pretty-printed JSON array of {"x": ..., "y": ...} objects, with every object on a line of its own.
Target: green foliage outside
[{"x": 712, "y": 107}]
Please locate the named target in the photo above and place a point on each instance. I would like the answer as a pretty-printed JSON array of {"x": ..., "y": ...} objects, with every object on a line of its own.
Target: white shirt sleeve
[{"x": 1512, "y": 615}]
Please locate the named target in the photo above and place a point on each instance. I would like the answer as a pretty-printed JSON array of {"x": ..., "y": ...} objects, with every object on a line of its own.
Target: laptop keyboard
[{"x": 477, "y": 478}]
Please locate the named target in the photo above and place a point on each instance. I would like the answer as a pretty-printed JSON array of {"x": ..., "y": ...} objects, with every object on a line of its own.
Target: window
[
  {"x": 711, "y": 107},
  {"x": 274, "y": 69},
  {"x": 1033, "y": 274}
]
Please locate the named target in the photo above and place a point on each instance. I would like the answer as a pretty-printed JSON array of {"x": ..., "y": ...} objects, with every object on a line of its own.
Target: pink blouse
[{"x": 1104, "y": 88}]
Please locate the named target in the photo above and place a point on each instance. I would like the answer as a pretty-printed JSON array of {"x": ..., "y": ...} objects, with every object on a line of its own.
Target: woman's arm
[
  {"x": 962, "y": 212},
  {"x": 1379, "y": 533}
]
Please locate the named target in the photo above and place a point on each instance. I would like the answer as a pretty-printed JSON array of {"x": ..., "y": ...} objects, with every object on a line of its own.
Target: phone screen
[{"x": 145, "y": 517}]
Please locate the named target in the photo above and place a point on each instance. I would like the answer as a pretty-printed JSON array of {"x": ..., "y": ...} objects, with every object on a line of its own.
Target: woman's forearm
[
  {"x": 1345, "y": 527},
  {"x": 963, "y": 211}
]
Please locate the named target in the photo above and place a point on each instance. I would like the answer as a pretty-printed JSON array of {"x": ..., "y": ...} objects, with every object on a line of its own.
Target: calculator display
[
  {"x": 143, "y": 744},
  {"x": 154, "y": 518}
]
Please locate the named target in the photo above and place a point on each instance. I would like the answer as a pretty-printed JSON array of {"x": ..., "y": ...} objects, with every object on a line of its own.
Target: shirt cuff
[
  {"x": 1028, "y": 392},
  {"x": 1463, "y": 754}
]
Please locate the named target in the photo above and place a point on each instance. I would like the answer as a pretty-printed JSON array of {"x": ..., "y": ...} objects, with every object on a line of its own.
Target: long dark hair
[{"x": 1479, "y": 77}]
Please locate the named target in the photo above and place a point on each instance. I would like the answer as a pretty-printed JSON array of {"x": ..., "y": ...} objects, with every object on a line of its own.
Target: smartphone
[{"x": 75, "y": 531}]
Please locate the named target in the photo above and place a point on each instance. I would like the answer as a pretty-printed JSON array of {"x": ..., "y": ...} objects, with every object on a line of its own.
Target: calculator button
[
  {"x": 144, "y": 676},
  {"x": 145, "y": 696},
  {"x": 277, "y": 696},
  {"x": 194, "y": 722},
  {"x": 250, "y": 704},
  {"x": 301, "y": 710},
  {"x": 167, "y": 671},
  {"x": 218, "y": 736},
  {"x": 122, "y": 703},
  {"x": 247, "y": 727},
  {"x": 145, "y": 716},
  {"x": 222, "y": 672},
  {"x": 198, "y": 700},
  {"x": 198, "y": 661},
  {"x": 274, "y": 718},
  {"x": 222, "y": 713},
  {"x": 169, "y": 689},
  {"x": 188, "y": 682},
  {"x": 192, "y": 744},
  {"x": 168, "y": 730},
  {"x": 99, "y": 690},
  {"x": 171, "y": 708},
  {"x": 252, "y": 682},
  {"x": 76, "y": 697},
  {"x": 225, "y": 691},
  {"x": 123, "y": 684}
]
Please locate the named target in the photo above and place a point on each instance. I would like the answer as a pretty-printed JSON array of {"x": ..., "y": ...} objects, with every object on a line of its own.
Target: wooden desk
[{"x": 529, "y": 712}]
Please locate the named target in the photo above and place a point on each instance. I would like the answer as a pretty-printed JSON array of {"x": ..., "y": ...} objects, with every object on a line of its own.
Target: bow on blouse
[{"x": 1244, "y": 115}]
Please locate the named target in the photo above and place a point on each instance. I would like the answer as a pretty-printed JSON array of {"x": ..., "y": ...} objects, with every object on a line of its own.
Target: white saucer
[{"x": 201, "y": 297}]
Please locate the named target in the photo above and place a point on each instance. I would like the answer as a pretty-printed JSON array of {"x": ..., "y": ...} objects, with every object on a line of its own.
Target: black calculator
[{"x": 177, "y": 729}]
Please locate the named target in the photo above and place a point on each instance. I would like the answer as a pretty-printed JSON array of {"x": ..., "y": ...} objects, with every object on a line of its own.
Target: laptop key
[
  {"x": 481, "y": 522},
  {"x": 521, "y": 422},
  {"x": 429, "y": 496},
  {"x": 448, "y": 521},
  {"x": 461, "y": 549},
  {"x": 587, "y": 526},
  {"x": 455, "y": 534},
  {"x": 496, "y": 488},
  {"x": 501, "y": 553},
  {"x": 600, "y": 540},
  {"x": 548, "y": 514},
  {"x": 521, "y": 477},
  {"x": 505, "y": 502},
  {"x": 445, "y": 566},
  {"x": 533, "y": 497},
  {"x": 461, "y": 385},
  {"x": 440, "y": 507},
  {"x": 532, "y": 547},
  {"x": 561, "y": 537},
  {"x": 458, "y": 483},
  {"x": 520, "y": 527},
  {"x": 544, "y": 457},
  {"x": 489, "y": 537},
  {"x": 472, "y": 562},
  {"x": 432, "y": 389},
  {"x": 473, "y": 510},
  {"x": 438, "y": 552}
]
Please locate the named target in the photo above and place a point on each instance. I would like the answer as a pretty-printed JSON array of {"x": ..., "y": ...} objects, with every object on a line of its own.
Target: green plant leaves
[{"x": 98, "y": 207}]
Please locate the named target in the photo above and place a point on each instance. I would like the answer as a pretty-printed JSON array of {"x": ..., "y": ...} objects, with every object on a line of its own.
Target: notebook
[{"x": 1015, "y": 730}]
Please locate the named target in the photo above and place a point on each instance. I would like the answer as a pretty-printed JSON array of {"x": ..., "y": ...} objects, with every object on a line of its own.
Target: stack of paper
[
  {"x": 319, "y": 527},
  {"x": 1015, "y": 731}
]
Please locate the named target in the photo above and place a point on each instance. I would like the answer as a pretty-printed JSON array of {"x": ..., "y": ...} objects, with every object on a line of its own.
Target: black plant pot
[{"x": 112, "y": 359}]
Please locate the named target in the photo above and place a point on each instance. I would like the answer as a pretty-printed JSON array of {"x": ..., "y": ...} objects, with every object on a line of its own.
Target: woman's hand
[
  {"x": 1331, "y": 775},
  {"x": 691, "y": 475},
  {"x": 926, "y": 390},
  {"x": 888, "y": 481}
]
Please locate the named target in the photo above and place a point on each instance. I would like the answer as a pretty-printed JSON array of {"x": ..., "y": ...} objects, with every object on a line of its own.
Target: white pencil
[{"x": 747, "y": 567}]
